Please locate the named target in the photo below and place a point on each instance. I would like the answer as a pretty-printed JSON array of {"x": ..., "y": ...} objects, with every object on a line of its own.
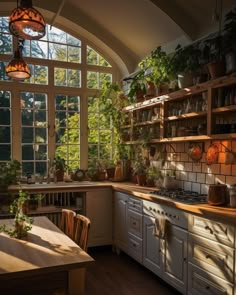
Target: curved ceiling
[{"x": 130, "y": 30}]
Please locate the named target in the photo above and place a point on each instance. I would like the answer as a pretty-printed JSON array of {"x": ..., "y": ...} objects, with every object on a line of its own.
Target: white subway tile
[
  {"x": 187, "y": 186},
  {"x": 210, "y": 179},
  {"x": 225, "y": 169},
  {"x": 196, "y": 187},
  {"x": 201, "y": 177}
]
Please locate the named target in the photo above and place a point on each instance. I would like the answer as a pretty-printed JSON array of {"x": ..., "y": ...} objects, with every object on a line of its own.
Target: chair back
[
  {"x": 67, "y": 222},
  {"x": 82, "y": 226}
]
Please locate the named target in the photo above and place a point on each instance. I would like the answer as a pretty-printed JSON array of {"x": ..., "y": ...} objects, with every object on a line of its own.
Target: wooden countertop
[
  {"x": 45, "y": 249},
  {"x": 222, "y": 213}
]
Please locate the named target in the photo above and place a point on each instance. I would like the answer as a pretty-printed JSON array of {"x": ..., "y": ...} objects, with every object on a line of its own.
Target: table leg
[{"x": 76, "y": 281}]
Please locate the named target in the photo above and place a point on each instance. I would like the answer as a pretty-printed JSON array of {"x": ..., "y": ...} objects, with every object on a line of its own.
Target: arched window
[{"x": 56, "y": 111}]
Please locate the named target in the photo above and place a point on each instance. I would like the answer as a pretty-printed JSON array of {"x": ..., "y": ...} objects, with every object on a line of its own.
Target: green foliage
[
  {"x": 59, "y": 163},
  {"x": 153, "y": 173},
  {"x": 9, "y": 172},
  {"x": 137, "y": 86},
  {"x": 185, "y": 59},
  {"x": 139, "y": 166},
  {"x": 23, "y": 223},
  {"x": 159, "y": 65}
]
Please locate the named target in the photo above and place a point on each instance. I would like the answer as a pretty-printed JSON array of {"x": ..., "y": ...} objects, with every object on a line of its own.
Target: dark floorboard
[{"x": 113, "y": 274}]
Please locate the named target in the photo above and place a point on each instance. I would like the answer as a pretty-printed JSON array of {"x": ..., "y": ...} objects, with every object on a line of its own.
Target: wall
[{"x": 197, "y": 176}]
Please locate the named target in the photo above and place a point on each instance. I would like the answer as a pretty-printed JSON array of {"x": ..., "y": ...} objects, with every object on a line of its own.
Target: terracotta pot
[
  {"x": 216, "y": 69},
  {"x": 141, "y": 179},
  {"x": 60, "y": 175}
]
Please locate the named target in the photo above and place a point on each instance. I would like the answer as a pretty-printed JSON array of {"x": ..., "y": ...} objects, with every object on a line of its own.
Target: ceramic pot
[{"x": 217, "y": 194}]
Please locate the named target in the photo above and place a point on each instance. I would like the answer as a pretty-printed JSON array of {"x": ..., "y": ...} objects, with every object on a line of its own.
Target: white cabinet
[
  {"x": 120, "y": 221},
  {"x": 211, "y": 257},
  {"x": 135, "y": 228},
  {"x": 151, "y": 246},
  {"x": 175, "y": 258},
  {"x": 166, "y": 257},
  {"x": 99, "y": 211}
]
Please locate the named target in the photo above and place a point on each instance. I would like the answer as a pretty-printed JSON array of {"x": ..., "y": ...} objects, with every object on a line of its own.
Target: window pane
[
  {"x": 39, "y": 49},
  {"x": 5, "y": 134},
  {"x": 5, "y": 152},
  {"x": 74, "y": 54},
  {"x": 5, "y": 117},
  {"x": 41, "y": 75},
  {"x": 57, "y": 52},
  {"x": 3, "y": 75},
  {"x": 94, "y": 58},
  {"x": 27, "y": 152},
  {"x": 74, "y": 79},
  {"x": 56, "y": 35},
  {"x": 6, "y": 44},
  {"x": 60, "y": 78}
]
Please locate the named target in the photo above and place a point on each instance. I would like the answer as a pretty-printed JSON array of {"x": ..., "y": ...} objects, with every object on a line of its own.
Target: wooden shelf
[
  {"x": 194, "y": 119},
  {"x": 224, "y": 109},
  {"x": 147, "y": 123},
  {"x": 184, "y": 116}
]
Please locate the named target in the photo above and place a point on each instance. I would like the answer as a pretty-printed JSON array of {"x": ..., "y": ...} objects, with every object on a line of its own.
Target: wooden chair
[
  {"x": 68, "y": 222},
  {"x": 82, "y": 226}
]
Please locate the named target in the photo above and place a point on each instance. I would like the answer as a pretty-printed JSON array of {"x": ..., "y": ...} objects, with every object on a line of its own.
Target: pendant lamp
[
  {"x": 17, "y": 68},
  {"x": 26, "y": 22}
]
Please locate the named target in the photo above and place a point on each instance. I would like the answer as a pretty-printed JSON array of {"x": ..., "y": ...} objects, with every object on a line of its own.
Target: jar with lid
[{"x": 232, "y": 196}]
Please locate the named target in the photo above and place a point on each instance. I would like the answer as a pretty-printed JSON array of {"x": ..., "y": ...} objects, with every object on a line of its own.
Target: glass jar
[{"x": 232, "y": 196}]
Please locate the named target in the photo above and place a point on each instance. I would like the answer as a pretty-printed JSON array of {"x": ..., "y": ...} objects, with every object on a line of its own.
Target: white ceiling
[{"x": 128, "y": 30}]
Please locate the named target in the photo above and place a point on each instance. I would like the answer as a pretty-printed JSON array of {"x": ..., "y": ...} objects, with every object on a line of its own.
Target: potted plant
[
  {"x": 157, "y": 68},
  {"x": 185, "y": 64},
  {"x": 152, "y": 174},
  {"x": 22, "y": 222},
  {"x": 9, "y": 174},
  {"x": 229, "y": 39},
  {"x": 58, "y": 167},
  {"x": 139, "y": 170}
]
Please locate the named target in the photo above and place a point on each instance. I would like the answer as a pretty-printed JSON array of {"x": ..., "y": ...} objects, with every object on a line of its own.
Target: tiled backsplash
[{"x": 197, "y": 176}]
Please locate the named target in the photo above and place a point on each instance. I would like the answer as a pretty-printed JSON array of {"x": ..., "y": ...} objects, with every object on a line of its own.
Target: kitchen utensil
[
  {"x": 212, "y": 154},
  {"x": 217, "y": 194},
  {"x": 195, "y": 152}
]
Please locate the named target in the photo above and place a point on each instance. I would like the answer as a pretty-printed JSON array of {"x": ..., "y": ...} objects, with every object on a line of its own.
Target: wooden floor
[{"x": 113, "y": 274}]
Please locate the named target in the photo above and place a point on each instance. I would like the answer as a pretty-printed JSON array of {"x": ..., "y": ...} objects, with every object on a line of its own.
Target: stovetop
[{"x": 180, "y": 195}]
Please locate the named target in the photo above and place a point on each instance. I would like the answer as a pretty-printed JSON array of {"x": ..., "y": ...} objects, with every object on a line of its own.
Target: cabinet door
[
  {"x": 99, "y": 210},
  {"x": 175, "y": 258},
  {"x": 120, "y": 221},
  {"x": 151, "y": 246},
  {"x": 201, "y": 282}
]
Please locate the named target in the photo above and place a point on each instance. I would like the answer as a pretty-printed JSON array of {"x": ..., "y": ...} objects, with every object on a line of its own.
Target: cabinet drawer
[
  {"x": 212, "y": 256},
  {"x": 135, "y": 247},
  {"x": 216, "y": 231},
  {"x": 201, "y": 282},
  {"x": 135, "y": 205},
  {"x": 134, "y": 223}
]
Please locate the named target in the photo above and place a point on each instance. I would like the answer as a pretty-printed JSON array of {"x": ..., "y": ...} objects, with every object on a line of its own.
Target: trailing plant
[
  {"x": 22, "y": 222},
  {"x": 157, "y": 66},
  {"x": 137, "y": 88}
]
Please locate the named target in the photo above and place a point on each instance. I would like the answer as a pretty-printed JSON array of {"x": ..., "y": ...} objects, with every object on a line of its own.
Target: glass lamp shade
[
  {"x": 26, "y": 22},
  {"x": 17, "y": 68}
]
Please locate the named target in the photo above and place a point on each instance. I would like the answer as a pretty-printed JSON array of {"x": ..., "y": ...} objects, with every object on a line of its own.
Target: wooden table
[{"x": 45, "y": 258}]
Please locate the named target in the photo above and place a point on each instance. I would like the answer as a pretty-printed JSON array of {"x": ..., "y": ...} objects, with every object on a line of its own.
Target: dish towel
[{"x": 160, "y": 228}]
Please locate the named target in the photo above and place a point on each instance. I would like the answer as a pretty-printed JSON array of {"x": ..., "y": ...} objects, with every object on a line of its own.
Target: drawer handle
[
  {"x": 208, "y": 228},
  {"x": 208, "y": 256}
]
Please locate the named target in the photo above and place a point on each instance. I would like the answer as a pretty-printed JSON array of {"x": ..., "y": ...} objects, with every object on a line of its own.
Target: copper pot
[{"x": 217, "y": 194}]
